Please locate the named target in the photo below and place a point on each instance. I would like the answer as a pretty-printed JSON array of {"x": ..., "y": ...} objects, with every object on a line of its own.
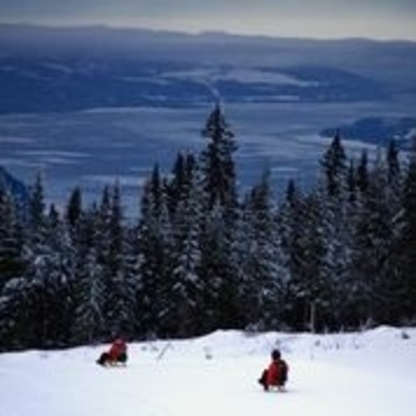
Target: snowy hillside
[{"x": 370, "y": 373}]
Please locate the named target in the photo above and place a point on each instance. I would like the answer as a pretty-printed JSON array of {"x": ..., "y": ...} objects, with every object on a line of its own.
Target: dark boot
[
  {"x": 263, "y": 380},
  {"x": 103, "y": 359}
]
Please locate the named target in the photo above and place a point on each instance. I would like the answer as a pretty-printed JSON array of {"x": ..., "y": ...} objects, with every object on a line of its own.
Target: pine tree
[
  {"x": 121, "y": 294},
  {"x": 334, "y": 195},
  {"x": 57, "y": 278},
  {"x": 12, "y": 267},
  {"x": 90, "y": 297},
  {"x": 362, "y": 173},
  {"x": 33, "y": 303},
  {"x": 11, "y": 240},
  {"x": 155, "y": 245},
  {"x": 185, "y": 300},
  {"x": 407, "y": 246},
  {"x": 334, "y": 168},
  {"x": 217, "y": 161},
  {"x": 308, "y": 292},
  {"x": 372, "y": 249},
  {"x": 218, "y": 231},
  {"x": 391, "y": 288},
  {"x": 36, "y": 293},
  {"x": 264, "y": 277},
  {"x": 73, "y": 213}
]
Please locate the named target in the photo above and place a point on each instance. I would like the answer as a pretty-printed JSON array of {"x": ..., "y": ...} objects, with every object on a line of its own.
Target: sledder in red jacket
[
  {"x": 276, "y": 373},
  {"x": 116, "y": 354},
  {"x": 118, "y": 350}
]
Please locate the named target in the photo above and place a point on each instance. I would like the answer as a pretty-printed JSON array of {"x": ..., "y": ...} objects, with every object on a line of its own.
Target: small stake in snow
[{"x": 164, "y": 349}]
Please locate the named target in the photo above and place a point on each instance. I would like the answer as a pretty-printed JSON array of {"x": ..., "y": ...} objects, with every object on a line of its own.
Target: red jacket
[
  {"x": 119, "y": 347},
  {"x": 273, "y": 372}
]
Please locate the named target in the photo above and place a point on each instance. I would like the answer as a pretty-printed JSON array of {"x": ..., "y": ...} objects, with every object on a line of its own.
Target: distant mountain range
[{"x": 51, "y": 69}]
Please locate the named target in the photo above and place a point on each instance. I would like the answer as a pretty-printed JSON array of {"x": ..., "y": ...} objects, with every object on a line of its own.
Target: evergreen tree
[
  {"x": 308, "y": 292},
  {"x": 219, "y": 300},
  {"x": 407, "y": 242},
  {"x": 73, "y": 214},
  {"x": 218, "y": 231},
  {"x": 89, "y": 292},
  {"x": 390, "y": 306},
  {"x": 33, "y": 303},
  {"x": 334, "y": 168},
  {"x": 217, "y": 161},
  {"x": 372, "y": 265},
  {"x": 264, "y": 276},
  {"x": 74, "y": 208},
  {"x": 186, "y": 312},
  {"x": 334, "y": 195},
  {"x": 121, "y": 290},
  {"x": 155, "y": 245},
  {"x": 35, "y": 295},
  {"x": 58, "y": 277},
  {"x": 362, "y": 173},
  {"x": 11, "y": 240}
]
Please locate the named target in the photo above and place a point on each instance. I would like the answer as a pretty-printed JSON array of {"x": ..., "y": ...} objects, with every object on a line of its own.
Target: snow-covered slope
[{"x": 371, "y": 373}]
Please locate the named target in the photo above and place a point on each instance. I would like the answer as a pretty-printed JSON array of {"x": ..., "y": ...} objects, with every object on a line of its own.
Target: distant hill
[
  {"x": 63, "y": 69},
  {"x": 377, "y": 130},
  {"x": 17, "y": 189}
]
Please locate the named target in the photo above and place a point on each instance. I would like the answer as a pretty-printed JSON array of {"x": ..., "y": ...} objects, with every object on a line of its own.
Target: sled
[{"x": 112, "y": 364}]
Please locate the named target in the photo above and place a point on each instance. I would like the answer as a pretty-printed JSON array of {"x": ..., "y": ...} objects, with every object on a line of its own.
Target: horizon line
[{"x": 202, "y": 32}]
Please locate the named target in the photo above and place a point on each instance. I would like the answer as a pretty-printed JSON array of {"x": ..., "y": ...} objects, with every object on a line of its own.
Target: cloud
[
  {"x": 153, "y": 8},
  {"x": 314, "y": 17}
]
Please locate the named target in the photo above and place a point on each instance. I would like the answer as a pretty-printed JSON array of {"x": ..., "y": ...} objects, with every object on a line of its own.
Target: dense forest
[{"x": 200, "y": 256}]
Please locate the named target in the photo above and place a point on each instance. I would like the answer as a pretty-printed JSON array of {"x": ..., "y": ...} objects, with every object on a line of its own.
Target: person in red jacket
[
  {"x": 116, "y": 354},
  {"x": 276, "y": 374}
]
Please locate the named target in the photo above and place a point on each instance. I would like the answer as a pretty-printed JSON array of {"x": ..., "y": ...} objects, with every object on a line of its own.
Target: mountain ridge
[{"x": 64, "y": 69}]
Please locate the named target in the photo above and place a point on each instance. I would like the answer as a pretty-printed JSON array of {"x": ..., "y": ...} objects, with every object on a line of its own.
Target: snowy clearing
[{"x": 371, "y": 373}]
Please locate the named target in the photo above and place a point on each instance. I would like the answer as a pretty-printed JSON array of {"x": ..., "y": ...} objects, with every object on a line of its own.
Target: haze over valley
[{"x": 88, "y": 106}]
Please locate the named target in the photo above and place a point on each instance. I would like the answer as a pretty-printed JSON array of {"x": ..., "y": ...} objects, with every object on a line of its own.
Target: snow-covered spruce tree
[
  {"x": 365, "y": 251},
  {"x": 23, "y": 310},
  {"x": 353, "y": 286},
  {"x": 121, "y": 294},
  {"x": 218, "y": 232},
  {"x": 390, "y": 291},
  {"x": 34, "y": 295},
  {"x": 88, "y": 289},
  {"x": 334, "y": 198},
  {"x": 11, "y": 239},
  {"x": 155, "y": 245},
  {"x": 308, "y": 294},
  {"x": 217, "y": 161},
  {"x": 132, "y": 266},
  {"x": 178, "y": 183},
  {"x": 185, "y": 310},
  {"x": 110, "y": 250},
  {"x": 58, "y": 277},
  {"x": 290, "y": 224},
  {"x": 373, "y": 282},
  {"x": 220, "y": 298},
  {"x": 35, "y": 302},
  {"x": 407, "y": 242},
  {"x": 12, "y": 266},
  {"x": 73, "y": 212},
  {"x": 263, "y": 276}
]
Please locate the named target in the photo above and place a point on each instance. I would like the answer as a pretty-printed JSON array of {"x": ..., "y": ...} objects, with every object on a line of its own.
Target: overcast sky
[{"x": 384, "y": 19}]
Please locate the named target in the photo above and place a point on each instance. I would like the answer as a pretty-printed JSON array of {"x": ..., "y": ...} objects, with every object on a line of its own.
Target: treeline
[{"x": 201, "y": 257}]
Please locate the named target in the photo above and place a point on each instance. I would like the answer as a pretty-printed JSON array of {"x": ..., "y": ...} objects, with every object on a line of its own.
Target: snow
[{"x": 371, "y": 373}]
